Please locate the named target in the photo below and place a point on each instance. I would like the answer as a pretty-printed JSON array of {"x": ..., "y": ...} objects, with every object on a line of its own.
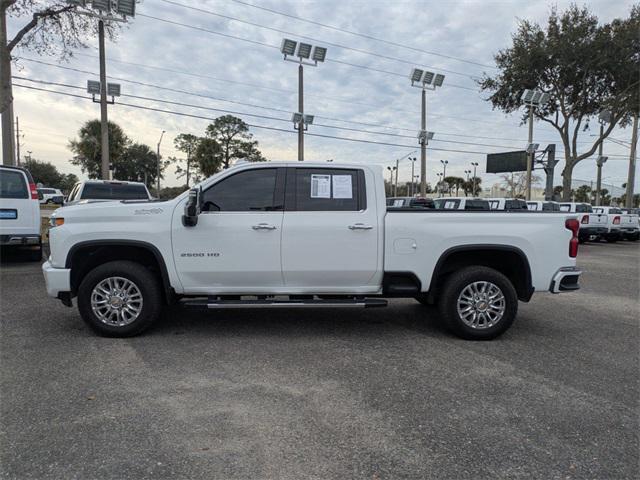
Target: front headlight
[{"x": 55, "y": 221}]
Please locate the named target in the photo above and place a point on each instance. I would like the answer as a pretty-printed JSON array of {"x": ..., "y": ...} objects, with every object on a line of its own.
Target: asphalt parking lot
[{"x": 371, "y": 394}]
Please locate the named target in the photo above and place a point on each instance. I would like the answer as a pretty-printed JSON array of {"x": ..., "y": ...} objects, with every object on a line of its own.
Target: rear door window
[
  {"x": 445, "y": 204},
  {"x": 13, "y": 185},
  {"x": 326, "y": 190},
  {"x": 584, "y": 208},
  {"x": 477, "y": 205}
]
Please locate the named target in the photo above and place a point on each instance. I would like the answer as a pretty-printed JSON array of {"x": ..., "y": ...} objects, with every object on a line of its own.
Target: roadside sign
[{"x": 507, "y": 162}]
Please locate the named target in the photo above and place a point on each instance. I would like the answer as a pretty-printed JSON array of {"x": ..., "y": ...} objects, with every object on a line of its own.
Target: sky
[{"x": 207, "y": 74}]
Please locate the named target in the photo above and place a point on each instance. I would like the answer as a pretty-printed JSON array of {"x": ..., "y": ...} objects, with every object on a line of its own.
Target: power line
[
  {"x": 362, "y": 35},
  {"x": 483, "y": 137},
  {"x": 335, "y": 127},
  {"x": 255, "y": 42},
  {"x": 285, "y": 32},
  {"x": 352, "y": 102},
  {"x": 172, "y": 112}
]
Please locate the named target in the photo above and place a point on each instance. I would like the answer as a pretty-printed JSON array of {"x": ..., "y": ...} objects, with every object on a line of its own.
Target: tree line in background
[
  {"x": 226, "y": 140},
  {"x": 47, "y": 175}
]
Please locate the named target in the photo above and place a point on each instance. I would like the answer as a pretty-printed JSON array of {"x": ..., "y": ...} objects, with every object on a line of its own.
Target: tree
[
  {"x": 454, "y": 182},
  {"x": 582, "y": 193},
  {"x": 188, "y": 144},
  {"x": 232, "y": 135},
  {"x": 43, "y": 172},
  {"x": 138, "y": 163},
  {"x": 516, "y": 183},
  {"x": 208, "y": 157},
  {"x": 87, "y": 148},
  {"x": 53, "y": 28},
  {"x": 67, "y": 182},
  {"x": 583, "y": 67},
  {"x": 472, "y": 186}
]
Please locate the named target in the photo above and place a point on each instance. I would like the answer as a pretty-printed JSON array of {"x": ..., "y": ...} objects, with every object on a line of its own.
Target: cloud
[{"x": 218, "y": 66}]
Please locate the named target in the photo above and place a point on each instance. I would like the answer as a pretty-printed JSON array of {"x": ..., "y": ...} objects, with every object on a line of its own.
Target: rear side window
[
  {"x": 565, "y": 207},
  {"x": 13, "y": 185},
  {"x": 550, "y": 207},
  {"x": 444, "y": 204},
  {"x": 476, "y": 205},
  {"x": 494, "y": 204},
  {"x": 515, "y": 205},
  {"x": 107, "y": 191},
  {"x": 325, "y": 189},
  {"x": 250, "y": 191},
  {"x": 583, "y": 208},
  {"x": 533, "y": 206}
]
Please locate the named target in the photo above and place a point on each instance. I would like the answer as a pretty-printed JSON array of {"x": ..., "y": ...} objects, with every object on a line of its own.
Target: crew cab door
[
  {"x": 330, "y": 234},
  {"x": 235, "y": 246}
]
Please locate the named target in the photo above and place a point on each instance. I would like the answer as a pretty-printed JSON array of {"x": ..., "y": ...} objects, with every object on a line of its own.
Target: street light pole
[
  {"x": 474, "y": 185},
  {"x": 531, "y": 154},
  {"x": 423, "y": 147},
  {"x": 599, "y": 164},
  {"x": 158, "y": 165},
  {"x": 301, "y": 110},
  {"x": 104, "y": 123},
  {"x": 413, "y": 166}
]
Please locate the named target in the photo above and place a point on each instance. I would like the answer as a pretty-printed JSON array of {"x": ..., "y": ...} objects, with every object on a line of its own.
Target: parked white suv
[
  {"x": 51, "y": 195},
  {"x": 108, "y": 190},
  {"x": 19, "y": 211}
]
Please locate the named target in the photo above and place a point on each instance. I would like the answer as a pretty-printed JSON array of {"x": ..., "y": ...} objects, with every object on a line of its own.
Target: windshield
[{"x": 114, "y": 191}]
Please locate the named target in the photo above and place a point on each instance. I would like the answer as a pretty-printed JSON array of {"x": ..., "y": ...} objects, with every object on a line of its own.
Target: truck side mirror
[{"x": 192, "y": 208}]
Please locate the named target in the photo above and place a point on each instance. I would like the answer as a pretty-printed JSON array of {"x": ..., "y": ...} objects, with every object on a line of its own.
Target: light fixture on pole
[
  {"x": 395, "y": 188},
  {"x": 440, "y": 185},
  {"x": 391, "y": 170},
  {"x": 467, "y": 172},
  {"x": 474, "y": 186},
  {"x": 158, "y": 165},
  {"x": 104, "y": 11},
  {"x": 604, "y": 117},
  {"x": 424, "y": 80},
  {"x": 302, "y": 54},
  {"x": 413, "y": 167},
  {"x": 533, "y": 99},
  {"x": 444, "y": 166}
]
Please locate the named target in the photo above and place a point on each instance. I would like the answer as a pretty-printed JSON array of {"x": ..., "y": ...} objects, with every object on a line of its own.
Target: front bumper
[
  {"x": 565, "y": 280},
  {"x": 57, "y": 280}
]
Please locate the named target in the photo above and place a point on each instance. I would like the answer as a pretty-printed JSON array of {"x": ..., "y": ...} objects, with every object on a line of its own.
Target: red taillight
[
  {"x": 573, "y": 225},
  {"x": 34, "y": 191},
  {"x": 616, "y": 220},
  {"x": 585, "y": 219}
]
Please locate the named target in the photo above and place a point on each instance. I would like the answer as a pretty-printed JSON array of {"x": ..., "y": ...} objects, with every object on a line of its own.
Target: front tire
[
  {"x": 478, "y": 303},
  {"x": 119, "y": 299}
]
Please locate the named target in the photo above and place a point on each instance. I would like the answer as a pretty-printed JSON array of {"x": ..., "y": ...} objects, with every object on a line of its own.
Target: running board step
[{"x": 337, "y": 303}]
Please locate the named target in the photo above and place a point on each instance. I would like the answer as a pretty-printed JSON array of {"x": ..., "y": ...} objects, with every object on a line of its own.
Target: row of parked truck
[{"x": 606, "y": 223}]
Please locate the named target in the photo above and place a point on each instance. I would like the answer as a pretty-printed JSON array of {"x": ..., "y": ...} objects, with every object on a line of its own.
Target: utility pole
[
  {"x": 631, "y": 177},
  {"x": 599, "y": 162},
  {"x": 8, "y": 150},
  {"x": 395, "y": 185},
  {"x": 475, "y": 186},
  {"x": 104, "y": 122},
  {"x": 17, "y": 143}
]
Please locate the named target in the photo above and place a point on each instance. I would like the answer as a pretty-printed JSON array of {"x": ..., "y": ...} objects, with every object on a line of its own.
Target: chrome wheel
[
  {"x": 116, "y": 301},
  {"x": 481, "y": 305}
]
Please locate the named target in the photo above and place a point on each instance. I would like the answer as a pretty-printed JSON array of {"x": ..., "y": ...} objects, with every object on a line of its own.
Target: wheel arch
[
  {"x": 511, "y": 262},
  {"x": 85, "y": 256}
]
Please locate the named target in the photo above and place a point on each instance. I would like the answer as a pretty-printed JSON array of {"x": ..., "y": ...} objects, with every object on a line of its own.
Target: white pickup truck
[
  {"x": 592, "y": 224},
  {"x": 620, "y": 225},
  {"x": 302, "y": 235}
]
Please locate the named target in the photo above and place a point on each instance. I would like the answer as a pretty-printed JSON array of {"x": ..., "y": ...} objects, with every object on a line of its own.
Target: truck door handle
[
  {"x": 360, "y": 226},
  {"x": 263, "y": 226}
]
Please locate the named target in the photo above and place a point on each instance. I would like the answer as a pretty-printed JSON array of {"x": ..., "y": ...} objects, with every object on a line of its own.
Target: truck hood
[{"x": 91, "y": 211}]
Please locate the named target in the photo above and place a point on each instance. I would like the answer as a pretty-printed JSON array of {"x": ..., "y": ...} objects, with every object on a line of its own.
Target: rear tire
[
  {"x": 120, "y": 299},
  {"x": 478, "y": 303}
]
